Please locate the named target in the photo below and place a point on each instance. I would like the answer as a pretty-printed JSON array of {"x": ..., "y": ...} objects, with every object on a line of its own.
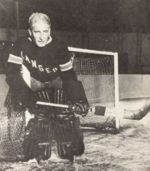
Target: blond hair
[{"x": 36, "y": 16}]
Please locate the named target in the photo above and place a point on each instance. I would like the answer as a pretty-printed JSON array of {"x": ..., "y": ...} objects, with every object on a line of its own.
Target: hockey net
[
  {"x": 98, "y": 71},
  {"x": 12, "y": 129}
]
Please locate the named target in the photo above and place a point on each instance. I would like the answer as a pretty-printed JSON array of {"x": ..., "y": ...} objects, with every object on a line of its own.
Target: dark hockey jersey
[{"x": 43, "y": 63}]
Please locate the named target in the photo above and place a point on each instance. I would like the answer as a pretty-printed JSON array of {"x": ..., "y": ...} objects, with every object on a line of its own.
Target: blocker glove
[{"x": 81, "y": 107}]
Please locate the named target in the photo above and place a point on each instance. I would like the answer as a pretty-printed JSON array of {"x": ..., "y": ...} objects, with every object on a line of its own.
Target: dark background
[
  {"x": 81, "y": 15},
  {"x": 122, "y": 26}
]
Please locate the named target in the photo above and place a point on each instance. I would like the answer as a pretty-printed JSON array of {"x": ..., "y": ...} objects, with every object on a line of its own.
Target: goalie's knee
[
  {"x": 44, "y": 151},
  {"x": 37, "y": 140},
  {"x": 69, "y": 150},
  {"x": 65, "y": 151}
]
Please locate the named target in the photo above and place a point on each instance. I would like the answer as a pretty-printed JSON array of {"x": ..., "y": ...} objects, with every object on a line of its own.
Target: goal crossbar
[
  {"x": 74, "y": 49},
  {"x": 116, "y": 77}
]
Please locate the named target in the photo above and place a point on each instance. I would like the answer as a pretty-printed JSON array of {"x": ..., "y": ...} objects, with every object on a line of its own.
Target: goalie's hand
[
  {"x": 65, "y": 115},
  {"x": 81, "y": 108},
  {"x": 36, "y": 85}
]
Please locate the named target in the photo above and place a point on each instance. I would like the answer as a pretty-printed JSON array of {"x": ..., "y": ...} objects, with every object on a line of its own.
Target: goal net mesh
[
  {"x": 96, "y": 71},
  {"x": 12, "y": 129}
]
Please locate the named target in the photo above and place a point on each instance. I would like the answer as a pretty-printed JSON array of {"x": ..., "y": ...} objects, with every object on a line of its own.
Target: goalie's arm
[
  {"x": 14, "y": 77},
  {"x": 75, "y": 92},
  {"x": 18, "y": 85}
]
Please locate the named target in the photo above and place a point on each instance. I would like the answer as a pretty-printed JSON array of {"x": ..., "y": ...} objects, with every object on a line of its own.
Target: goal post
[{"x": 97, "y": 66}]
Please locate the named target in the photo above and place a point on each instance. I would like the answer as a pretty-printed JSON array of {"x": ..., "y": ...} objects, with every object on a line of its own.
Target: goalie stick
[
  {"x": 67, "y": 106},
  {"x": 52, "y": 104}
]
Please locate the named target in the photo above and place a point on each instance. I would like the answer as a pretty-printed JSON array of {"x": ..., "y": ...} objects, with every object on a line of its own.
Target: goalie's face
[{"x": 40, "y": 33}]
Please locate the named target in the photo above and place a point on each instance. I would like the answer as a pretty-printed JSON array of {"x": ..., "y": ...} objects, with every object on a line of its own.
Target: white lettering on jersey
[
  {"x": 55, "y": 69},
  {"x": 48, "y": 70},
  {"x": 27, "y": 59},
  {"x": 33, "y": 63},
  {"x": 40, "y": 67}
]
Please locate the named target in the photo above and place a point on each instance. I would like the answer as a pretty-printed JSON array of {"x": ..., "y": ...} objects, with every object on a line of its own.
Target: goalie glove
[
  {"x": 80, "y": 108},
  {"x": 38, "y": 85}
]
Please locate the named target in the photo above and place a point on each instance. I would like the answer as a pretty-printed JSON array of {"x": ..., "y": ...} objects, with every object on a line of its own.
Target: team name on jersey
[
  {"x": 19, "y": 60},
  {"x": 38, "y": 66}
]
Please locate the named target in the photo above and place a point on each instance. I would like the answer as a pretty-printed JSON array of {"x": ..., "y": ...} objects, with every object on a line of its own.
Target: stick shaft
[{"x": 52, "y": 104}]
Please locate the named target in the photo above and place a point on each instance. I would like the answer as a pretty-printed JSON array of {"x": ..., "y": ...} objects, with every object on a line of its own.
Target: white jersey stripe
[
  {"x": 26, "y": 75},
  {"x": 15, "y": 59},
  {"x": 67, "y": 66}
]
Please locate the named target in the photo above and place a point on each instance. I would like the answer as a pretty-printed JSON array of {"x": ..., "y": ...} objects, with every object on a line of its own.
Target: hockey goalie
[{"x": 39, "y": 69}]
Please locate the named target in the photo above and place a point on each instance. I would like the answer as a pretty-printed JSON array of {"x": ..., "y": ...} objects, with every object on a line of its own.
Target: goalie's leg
[
  {"x": 69, "y": 138},
  {"x": 44, "y": 138},
  {"x": 37, "y": 142},
  {"x": 30, "y": 144},
  {"x": 77, "y": 138}
]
